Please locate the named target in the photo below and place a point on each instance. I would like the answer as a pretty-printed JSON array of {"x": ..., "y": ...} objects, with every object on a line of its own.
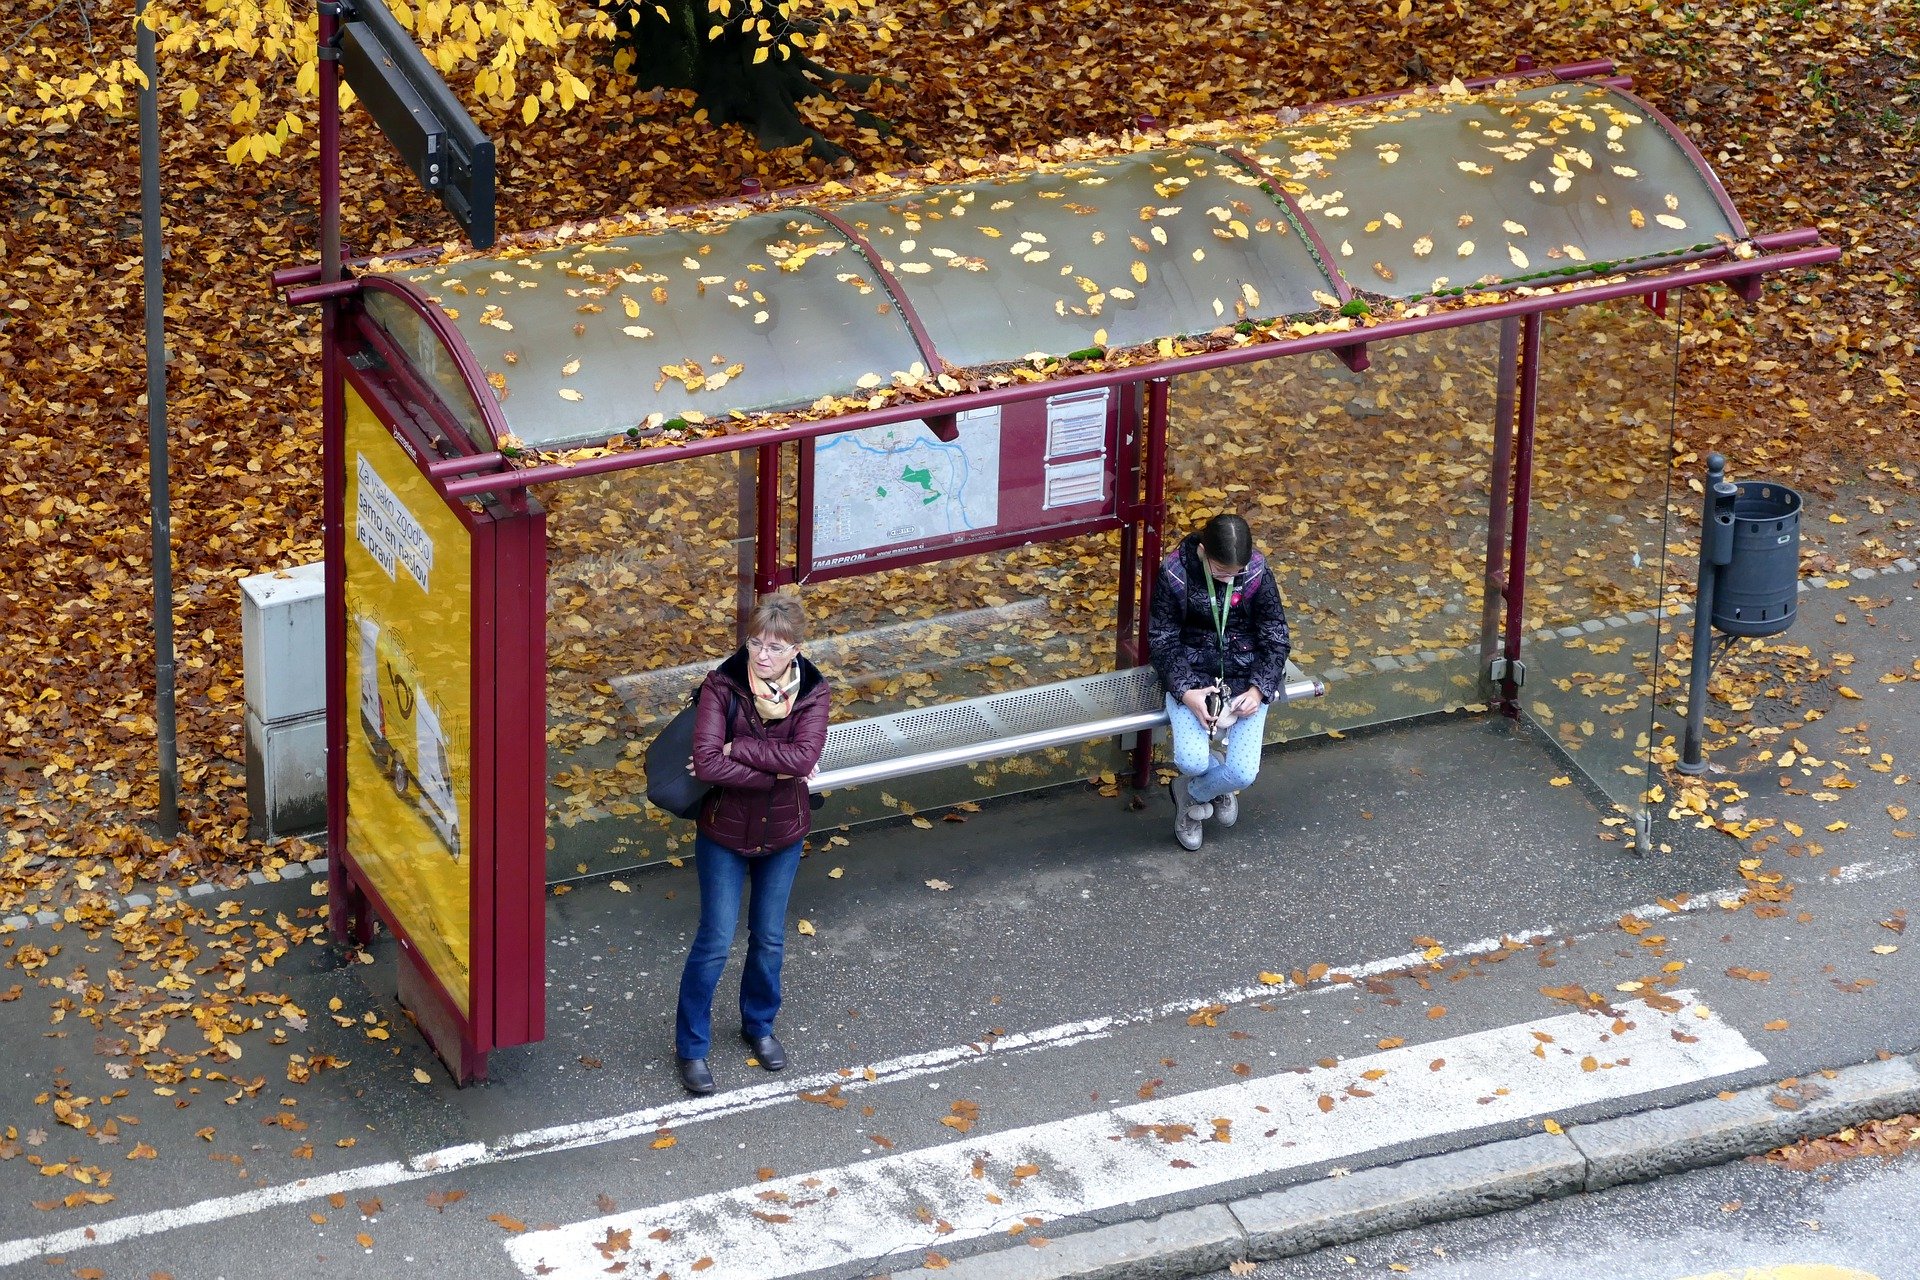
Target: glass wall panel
[
  {"x": 1368, "y": 494},
  {"x": 1597, "y": 541},
  {"x": 644, "y": 582}
]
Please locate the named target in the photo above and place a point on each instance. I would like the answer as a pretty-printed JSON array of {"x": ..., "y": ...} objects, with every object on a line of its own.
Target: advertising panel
[{"x": 409, "y": 596}]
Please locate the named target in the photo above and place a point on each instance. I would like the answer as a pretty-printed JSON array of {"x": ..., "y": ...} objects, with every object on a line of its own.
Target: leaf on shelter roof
[
  {"x": 570, "y": 368},
  {"x": 637, "y": 331},
  {"x": 1637, "y": 218},
  {"x": 1392, "y": 220},
  {"x": 1513, "y": 228},
  {"x": 1519, "y": 259},
  {"x": 1466, "y": 249},
  {"x": 1422, "y": 246},
  {"x": 1625, "y": 171},
  {"x": 568, "y": 393},
  {"x": 1669, "y": 220}
]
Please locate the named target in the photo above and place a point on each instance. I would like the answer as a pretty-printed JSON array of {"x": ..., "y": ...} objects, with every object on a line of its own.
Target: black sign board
[{"x": 426, "y": 124}]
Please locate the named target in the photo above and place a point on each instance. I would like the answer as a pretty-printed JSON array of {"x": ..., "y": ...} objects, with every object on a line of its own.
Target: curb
[
  {"x": 134, "y": 901},
  {"x": 1457, "y": 1184}
]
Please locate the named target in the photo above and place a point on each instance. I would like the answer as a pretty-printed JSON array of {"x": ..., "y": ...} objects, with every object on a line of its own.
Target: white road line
[
  {"x": 681, "y": 1114},
  {"x": 874, "y": 1209}
]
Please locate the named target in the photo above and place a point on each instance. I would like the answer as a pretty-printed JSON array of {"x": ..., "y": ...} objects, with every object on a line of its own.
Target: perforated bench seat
[{"x": 1006, "y": 724}]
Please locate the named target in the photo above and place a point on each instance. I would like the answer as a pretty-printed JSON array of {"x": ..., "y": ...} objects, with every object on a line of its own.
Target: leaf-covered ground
[{"x": 1809, "y": 111}]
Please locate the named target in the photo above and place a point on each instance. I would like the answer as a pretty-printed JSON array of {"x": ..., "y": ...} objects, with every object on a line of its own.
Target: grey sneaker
[
  {"x": 1226, "y": 809},
  {"x": 1198, "y": 810},
  {"x": 1186, "y": 822}
]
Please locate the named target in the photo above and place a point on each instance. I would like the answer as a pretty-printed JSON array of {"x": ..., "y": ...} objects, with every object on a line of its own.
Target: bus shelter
[{"x": 1427, "y": 343}]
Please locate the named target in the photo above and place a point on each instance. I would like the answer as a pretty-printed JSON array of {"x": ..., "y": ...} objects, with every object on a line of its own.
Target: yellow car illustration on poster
[{"x": 404, "y": 733}]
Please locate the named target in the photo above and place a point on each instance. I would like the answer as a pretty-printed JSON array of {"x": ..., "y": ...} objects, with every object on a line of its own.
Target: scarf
[{"x": 775, "y": 701}]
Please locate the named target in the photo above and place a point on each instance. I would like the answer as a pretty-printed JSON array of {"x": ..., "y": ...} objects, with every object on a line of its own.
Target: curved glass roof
[
  {"x": 1107, "y": 253},
  {"x": 1405, "y": 197},
  {"x": 1496, "y": 189},
  {"x": 582, "y": 343}
]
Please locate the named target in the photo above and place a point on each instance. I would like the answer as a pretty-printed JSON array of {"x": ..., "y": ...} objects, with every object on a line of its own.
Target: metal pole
[
  {"x": 341, "y": 901},
  {"x": 1716, "y": 548},
  {"x": 158, "y": 499}
]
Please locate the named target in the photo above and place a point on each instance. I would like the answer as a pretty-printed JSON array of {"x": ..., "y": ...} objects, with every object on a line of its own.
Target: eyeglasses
[
  {"x": 1220, "y": 572},
  {"x": 772, "y": 648}
]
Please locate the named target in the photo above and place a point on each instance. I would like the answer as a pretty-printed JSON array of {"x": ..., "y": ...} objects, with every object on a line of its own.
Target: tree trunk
[{"x": 669, "y": 42}]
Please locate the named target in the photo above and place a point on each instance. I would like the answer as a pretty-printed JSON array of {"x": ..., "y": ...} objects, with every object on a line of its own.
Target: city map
[{"x": 900, "y": 486}]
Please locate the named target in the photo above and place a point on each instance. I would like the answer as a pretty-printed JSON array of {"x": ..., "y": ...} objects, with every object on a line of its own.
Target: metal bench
[{"x": 1006, "y": 724}]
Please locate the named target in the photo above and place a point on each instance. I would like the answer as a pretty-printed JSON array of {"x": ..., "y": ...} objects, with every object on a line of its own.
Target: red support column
[
  {"x": 1499, "y": 481},
  {"x": 766, "y": 528},
  {"x": 1126, "y": 652},
  {"x": 1154, "y": 464},
  {"x": 1522, "y": 503}
]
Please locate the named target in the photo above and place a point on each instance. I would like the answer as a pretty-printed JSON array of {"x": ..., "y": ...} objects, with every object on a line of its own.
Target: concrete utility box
[{"x": 283, "y": 628}]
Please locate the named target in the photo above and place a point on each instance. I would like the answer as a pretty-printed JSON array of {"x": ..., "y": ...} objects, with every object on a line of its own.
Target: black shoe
[
  {"x": 694, "y": 1076},
  {"x": 767, "y": 1049}
]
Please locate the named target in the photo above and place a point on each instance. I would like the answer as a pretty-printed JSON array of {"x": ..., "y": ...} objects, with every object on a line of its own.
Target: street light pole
[{"x": 154, "y": 287}]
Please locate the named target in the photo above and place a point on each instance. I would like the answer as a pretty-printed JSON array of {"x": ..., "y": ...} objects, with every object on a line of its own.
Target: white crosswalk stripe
[{"x": 924, "y": 1199}]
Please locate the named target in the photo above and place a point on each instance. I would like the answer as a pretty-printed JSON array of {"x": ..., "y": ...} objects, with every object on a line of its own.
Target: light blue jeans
[{"x": 1209, "y": 778}]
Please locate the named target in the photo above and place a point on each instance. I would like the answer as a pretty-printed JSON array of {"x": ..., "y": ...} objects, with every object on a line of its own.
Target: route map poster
[{"x": 899, "y": 494}]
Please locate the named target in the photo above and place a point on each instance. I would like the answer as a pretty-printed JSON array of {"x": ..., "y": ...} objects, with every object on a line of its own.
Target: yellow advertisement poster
[{"x": 409, "y": 686}]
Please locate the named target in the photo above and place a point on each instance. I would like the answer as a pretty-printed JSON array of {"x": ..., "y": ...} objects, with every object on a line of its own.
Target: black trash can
[{"x": 1759, "y": 588}]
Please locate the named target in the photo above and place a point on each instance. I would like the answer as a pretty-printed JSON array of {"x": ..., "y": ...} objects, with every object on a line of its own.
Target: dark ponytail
[{"x": 1228, "y": 541}]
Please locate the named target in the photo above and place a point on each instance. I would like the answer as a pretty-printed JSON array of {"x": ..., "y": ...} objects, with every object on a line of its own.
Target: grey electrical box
[{"x": 283, "y": 644}]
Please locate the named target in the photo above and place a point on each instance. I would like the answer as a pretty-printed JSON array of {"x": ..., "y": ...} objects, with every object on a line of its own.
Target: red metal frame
[
  {"x": 505, "y": 1002},
  {"x": 1516, "y": 576},
  {"x": 1500, "y": 471},
  {"x": 1153, "y": 521}
]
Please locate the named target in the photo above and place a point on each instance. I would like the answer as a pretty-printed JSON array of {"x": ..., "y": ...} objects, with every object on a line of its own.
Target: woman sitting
[{"x": 1218, "y": 635}]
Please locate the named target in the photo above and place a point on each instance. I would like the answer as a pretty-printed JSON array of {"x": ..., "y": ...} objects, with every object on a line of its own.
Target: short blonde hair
[{"x": 778, "y": 616}]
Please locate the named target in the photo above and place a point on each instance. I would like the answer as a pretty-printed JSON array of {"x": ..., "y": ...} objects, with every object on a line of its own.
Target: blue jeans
[
  {"x": 723, "y": 874},
  {"x": 1209, "y": 778}
]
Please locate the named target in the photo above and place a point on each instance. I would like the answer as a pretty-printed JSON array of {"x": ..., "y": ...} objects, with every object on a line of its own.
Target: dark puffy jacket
[
  {"x": 751, "y": 810},
  {"x": 1181, "y": 634}
]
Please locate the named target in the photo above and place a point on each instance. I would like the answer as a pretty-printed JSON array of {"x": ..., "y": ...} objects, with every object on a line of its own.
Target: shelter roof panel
[
  {"x": 582, "y": 343},
  {"x": 432, "y": 359},
  {"x": 1504, "y": 187},
  {"x": 1109, "y": 252}
]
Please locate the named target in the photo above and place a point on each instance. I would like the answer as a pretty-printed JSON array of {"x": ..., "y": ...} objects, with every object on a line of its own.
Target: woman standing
[
  {"x": 1218, "y": 635},
  {"x": 758, "y": 734}
]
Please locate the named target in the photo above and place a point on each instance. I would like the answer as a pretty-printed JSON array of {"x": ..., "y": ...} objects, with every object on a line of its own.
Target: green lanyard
[{"x": 1221, "y": 605}]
